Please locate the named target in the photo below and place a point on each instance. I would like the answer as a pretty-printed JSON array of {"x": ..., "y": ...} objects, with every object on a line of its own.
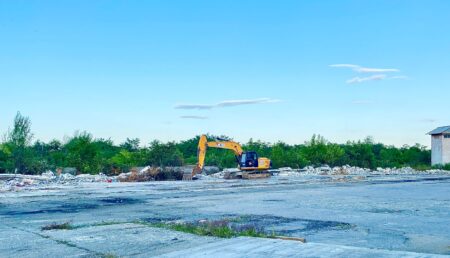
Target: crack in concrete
[{"x": 63, "y": 242}]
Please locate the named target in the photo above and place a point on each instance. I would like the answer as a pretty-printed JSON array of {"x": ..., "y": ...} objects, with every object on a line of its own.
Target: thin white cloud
[
  {"x": 232, "y": 103},
  {"x": 227, "y": 103},
  {"x": 377, "y": 70},
  {"x": 193, "y": 106},
  {"x": 194, "y": 117},
  {"x": 351, "y": 66},
  {"x": 376, "y": 77},
  {"x": 402, "y": 77},
  {"x": 361, "y": 69}
]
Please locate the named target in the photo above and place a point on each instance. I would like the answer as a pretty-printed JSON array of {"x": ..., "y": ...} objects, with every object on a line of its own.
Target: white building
[{"x": 440, "y": 145}]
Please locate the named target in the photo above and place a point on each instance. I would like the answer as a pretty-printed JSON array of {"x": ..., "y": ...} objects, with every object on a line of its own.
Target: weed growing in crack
[
  {"x": 58, "y": 226},
  {"x": 216, "y": 228}
]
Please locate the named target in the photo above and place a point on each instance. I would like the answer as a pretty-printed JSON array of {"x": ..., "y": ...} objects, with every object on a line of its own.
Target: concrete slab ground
[{"x": 394, "y": 216}]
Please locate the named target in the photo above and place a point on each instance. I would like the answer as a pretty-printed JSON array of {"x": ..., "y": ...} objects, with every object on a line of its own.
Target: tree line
[{"x": 20, "y": 154}]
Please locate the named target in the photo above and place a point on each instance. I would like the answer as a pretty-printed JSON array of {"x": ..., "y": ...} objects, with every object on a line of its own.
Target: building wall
[
  {"x": 436, "y": 149},
  {"x": 446, "y": 151}
]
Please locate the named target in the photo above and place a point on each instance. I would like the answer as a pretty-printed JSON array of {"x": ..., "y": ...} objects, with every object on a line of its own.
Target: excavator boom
[{"x": 203, "y": 144}]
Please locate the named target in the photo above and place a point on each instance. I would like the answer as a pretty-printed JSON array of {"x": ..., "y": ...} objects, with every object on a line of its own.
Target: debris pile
[
  {"x": 222, "y": 174},
  {"x": 154, "y": 174},
  {"x": 48, "y": 179},
  {"x": 340, "y": 171},
  {"x": 17, "y": 182},
  {"x": 161, "y": 174},
  {"x": 349, "y": 170},
  {"x": 145, "y": 174}
]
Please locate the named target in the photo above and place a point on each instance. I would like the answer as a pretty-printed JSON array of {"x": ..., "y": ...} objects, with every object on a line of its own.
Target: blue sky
[{"x": 261, "y": 69}]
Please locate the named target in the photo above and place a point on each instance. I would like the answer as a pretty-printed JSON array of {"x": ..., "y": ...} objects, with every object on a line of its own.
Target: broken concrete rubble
[
  {"x": 161, "y": 174},
  {"x": 349, "y": 170},
  {"x": 18, "y": 182}
]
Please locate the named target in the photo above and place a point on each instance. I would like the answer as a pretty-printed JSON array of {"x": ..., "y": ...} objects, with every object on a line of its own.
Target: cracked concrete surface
[{"x": 378, "y": 216}]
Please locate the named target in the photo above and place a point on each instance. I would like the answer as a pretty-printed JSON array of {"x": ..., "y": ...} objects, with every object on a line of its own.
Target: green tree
[
  {"x": 319, "y": 151},
  {"x": 83, "y": 154},
  {"x": 131, "y": 145},
  {"x": 189, "y": 150},
  {"x": 360, "y": 154},
  {"x": 18, "y": 139},
  {"x": 416, "y": 155},
  {"x": 284, "y": 155},
  {"x": 55, "y": 154},
  {"x": 123, "y": 161},
  {"x": 164, "y": 154},
  {"x": 5, "y": 156}
]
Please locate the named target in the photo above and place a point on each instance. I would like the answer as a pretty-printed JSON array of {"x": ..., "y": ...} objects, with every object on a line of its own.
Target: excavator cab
[{"x": 248, "y": 159}]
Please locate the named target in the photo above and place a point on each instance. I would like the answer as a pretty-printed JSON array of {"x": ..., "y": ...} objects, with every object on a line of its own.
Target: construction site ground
[{"x": 372, "y": 216}]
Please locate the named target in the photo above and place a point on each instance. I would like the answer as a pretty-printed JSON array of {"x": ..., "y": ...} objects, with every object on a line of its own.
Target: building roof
[{"x": 440, "y": 130}]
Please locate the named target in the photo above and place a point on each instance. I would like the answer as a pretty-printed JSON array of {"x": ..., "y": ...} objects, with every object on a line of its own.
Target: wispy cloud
[
  {"x": 194, "y": 117},
  {"x": 376, "y": 77},
  {"x": 402, "y": 77},
  {"x": 232, "y": 103},
  {"x": 227, "y": 103},
  {"x": 361, "y": 69},
  {"x": 193, "y": 106}
]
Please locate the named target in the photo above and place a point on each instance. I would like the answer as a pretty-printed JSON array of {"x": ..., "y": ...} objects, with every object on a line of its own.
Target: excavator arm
[{"x": 203, "y": 144}]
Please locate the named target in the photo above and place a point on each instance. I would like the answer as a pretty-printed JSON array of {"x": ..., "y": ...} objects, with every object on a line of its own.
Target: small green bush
[{"x": 446, "y": 167}]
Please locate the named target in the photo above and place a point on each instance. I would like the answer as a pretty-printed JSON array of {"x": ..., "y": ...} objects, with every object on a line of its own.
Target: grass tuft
[
  {"x": 59, "y": 226},
  {"x": 217, "y": 228}
]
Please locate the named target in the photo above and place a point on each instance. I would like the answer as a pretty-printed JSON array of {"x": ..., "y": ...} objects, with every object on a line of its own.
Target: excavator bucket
[{"x": 187, "y": 176}]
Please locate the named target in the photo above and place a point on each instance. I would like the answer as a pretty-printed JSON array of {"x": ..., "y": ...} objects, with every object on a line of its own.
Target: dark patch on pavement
[
  {"x": 423, "y": 179},
  {"x": 385, "y": 210},
  {"x": 119, "y": 201},
  {"x": 289, "y": 226}
]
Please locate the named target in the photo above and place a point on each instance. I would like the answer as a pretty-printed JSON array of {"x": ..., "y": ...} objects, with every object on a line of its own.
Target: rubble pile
[
  {"x": 221, "y": 174},
  {"x": 154, "y": 174},
  {"x": 349, "y": 170},
  {"x": 17, "y": 182},
  {"x": 145, "y": 174},
  {"x": 161, "y": 174},
  {"x": 341, "y": 171}
]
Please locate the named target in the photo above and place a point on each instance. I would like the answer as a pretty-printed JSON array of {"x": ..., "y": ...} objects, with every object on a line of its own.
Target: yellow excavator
[{"x": 249, "y": 164}]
